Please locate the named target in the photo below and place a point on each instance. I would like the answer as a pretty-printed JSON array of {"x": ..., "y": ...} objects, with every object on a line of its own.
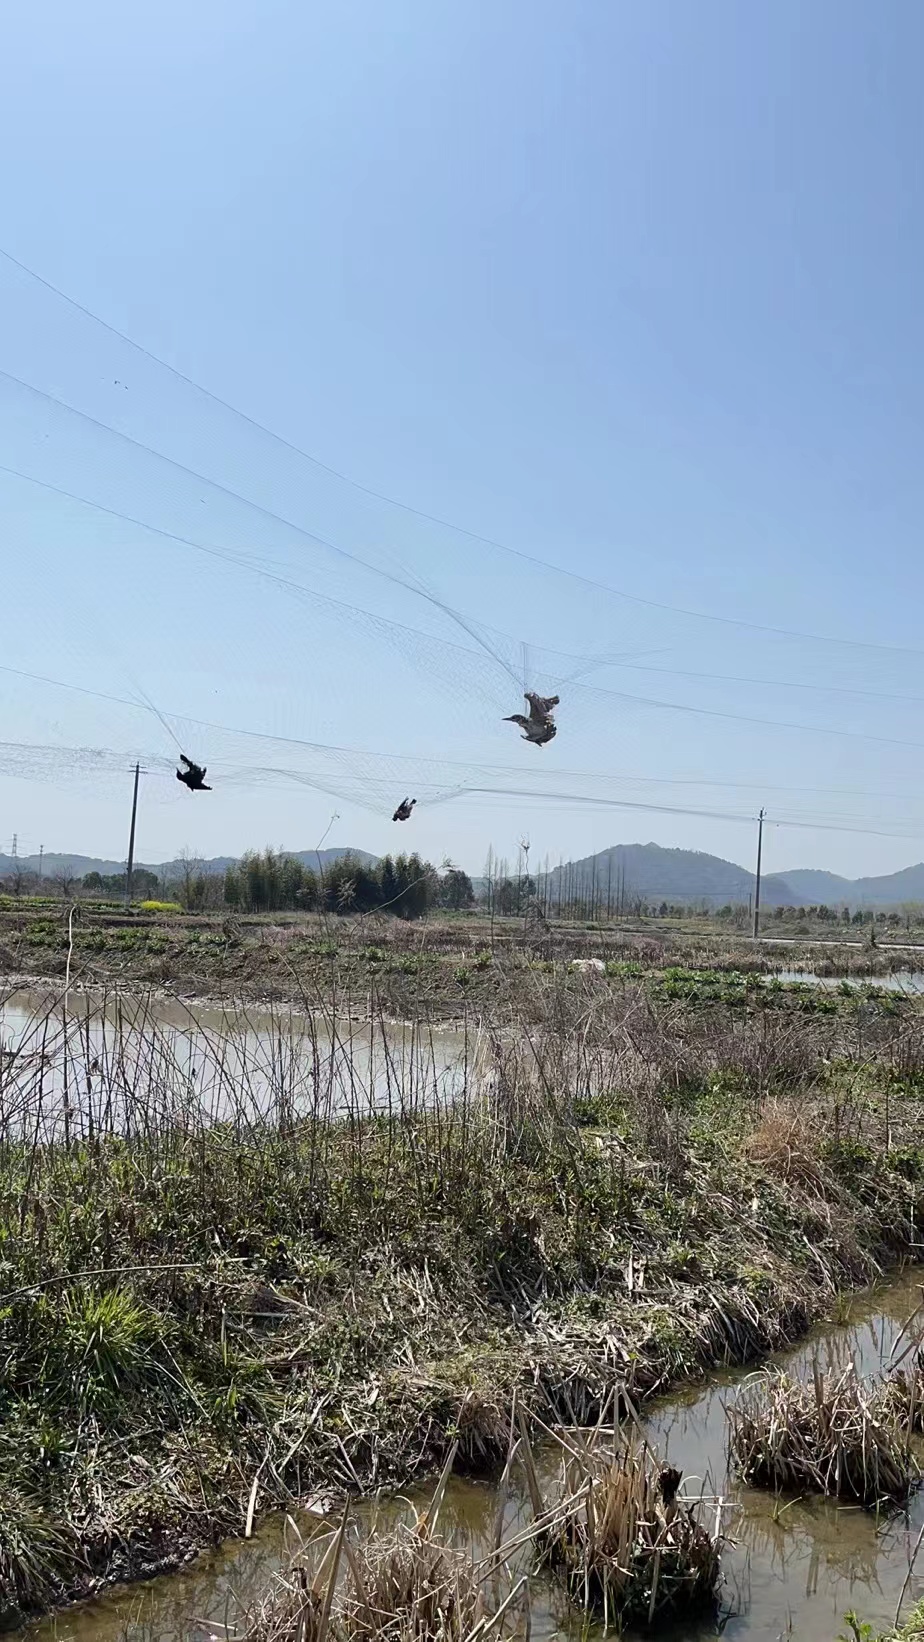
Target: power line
[
  {"x": 769, "y": 683},
  {"x": 435, "y": 519},
  {"x": 261, "y": 568},
  {"x": 113, "y": 762},
  {"x": 227, "y": 556},
  {"x": 403, "y": 758},
  {"x": 115, "y": 765},
  {"x": 266, "y": 512},
  {"x": 704, "y": 815}
]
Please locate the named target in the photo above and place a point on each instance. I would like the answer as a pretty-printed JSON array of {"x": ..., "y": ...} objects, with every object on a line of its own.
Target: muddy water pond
[
  {"x": 791, "y": 1571},
  {"x": 103, "y": 1054},
  {"x": 908, "y": 981}
]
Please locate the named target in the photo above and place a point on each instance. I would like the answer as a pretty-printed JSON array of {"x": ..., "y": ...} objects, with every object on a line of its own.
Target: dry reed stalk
[
  {"x": 623, "y": 1544},
  {"x": 833, "y": 1435},
  {"x": 903, "y": 1393},
  {"x": 407, "y": 1585},
  {"x": 402, "y": 1587},
  {"x": 785, "y": 1142}
]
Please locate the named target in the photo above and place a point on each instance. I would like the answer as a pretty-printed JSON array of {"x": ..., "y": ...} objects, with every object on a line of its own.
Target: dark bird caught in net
[{"x": 193, "y": 776}]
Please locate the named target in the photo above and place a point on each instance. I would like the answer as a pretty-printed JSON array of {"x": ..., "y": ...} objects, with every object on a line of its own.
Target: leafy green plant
[
  {"x": 859, "y": 1630},
  {"x": 35, "y": 1552},
  {"x": 103, "y": 1344}
]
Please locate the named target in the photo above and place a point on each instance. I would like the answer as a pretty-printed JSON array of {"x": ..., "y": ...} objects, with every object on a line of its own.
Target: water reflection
[
  {"x": 88, "y": 1066},
  {"x": 909, "y": 981}
]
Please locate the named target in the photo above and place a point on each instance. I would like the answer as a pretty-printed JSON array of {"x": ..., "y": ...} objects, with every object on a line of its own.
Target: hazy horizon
[{"x": 405, "y": 844}]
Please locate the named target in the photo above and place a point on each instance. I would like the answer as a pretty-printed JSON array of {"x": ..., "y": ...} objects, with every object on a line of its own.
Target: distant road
[{"x": 811, "y": 940}]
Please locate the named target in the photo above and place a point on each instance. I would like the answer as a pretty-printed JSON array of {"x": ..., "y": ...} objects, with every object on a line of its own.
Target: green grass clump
[
  {"x": 860, "y": 1630},
  {"x": 913, "y": 1626},
  {"x": 102, "y": 1346},
  {"x": 37, "y": 1556},
  {"x": 414, "y": 963},
  {"x": 43, "y": 932}
]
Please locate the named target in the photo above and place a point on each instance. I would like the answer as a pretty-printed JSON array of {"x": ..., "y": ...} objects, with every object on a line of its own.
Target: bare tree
[
  {"x": 523, "y": 869},
  {"x": 190, "y": 878}
]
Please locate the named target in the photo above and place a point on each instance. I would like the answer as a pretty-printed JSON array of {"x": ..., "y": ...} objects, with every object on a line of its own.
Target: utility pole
[
  {"x": 131, "y": 841},
  {"x": 15, "y": 850},
  {"x": 41, "y": 859},
  {"x": 760, "y": 846}
]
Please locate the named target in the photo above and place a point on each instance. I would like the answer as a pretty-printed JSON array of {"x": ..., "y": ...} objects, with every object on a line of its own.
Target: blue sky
[{"x": 632, "y": 289}]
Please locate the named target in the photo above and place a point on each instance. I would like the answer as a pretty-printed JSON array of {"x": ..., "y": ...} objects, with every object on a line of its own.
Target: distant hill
[
  {"x": 77, "y": 866},
  {"x": 650, "y": 873},
  {"x": 892, "y": 889},
  {"x": 74, "y": 865},
  {"x": 815, "y": 888}
]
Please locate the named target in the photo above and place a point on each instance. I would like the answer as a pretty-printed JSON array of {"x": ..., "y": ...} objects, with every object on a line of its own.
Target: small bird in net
[
  {"x": 539, "y": 727},
  {"x": 193, "y": 776},
  {"x": 403, "y": 812},
  {"x": 541, "y": 706}
]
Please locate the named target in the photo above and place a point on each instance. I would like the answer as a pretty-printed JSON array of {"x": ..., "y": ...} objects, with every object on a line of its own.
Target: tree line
[
  {"x": 272, "y": 881},
  {"x": 409, "y": 887}
]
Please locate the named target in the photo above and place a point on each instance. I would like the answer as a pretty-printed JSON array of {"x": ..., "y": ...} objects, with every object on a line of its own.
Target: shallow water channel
[
  {"x": 790, "y": 1572},
  {"x": 103, "y": 1053},
  {"x": 909, "y": 981}
]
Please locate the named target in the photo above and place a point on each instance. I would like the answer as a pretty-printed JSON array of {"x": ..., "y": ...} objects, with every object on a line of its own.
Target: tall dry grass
[
  {"x": 625, "y": 1544},
  {"x": 407, "y": 1584},
  {"x": 831, "y": 1435}
]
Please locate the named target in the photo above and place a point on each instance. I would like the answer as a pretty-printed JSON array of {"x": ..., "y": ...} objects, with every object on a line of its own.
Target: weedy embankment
[{"x": 211, "y": 1307}]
